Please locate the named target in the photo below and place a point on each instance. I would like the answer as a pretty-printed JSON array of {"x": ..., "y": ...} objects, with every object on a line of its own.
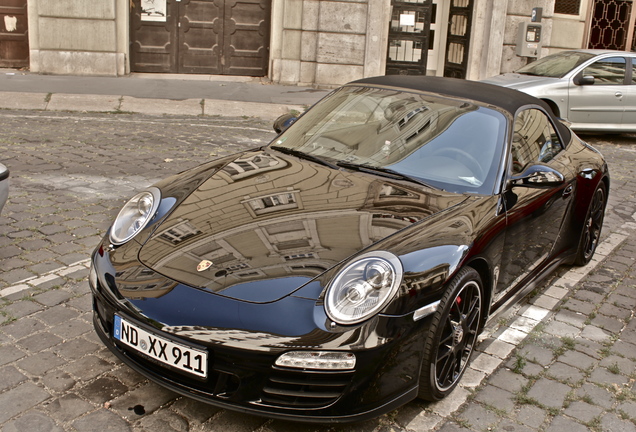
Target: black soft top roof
[{"x": 507, "y": 99}]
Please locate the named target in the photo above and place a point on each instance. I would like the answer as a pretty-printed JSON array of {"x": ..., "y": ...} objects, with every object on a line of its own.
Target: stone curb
[{"x": 129, "y": 104}]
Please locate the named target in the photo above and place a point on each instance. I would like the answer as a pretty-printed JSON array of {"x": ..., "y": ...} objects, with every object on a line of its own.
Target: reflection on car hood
[
  {"x": 519, "y": 81},
  {"x": 266, "y": 224}
]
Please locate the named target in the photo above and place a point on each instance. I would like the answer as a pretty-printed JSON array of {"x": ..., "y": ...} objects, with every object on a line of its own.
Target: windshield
[
  {"x": 556, "y": 65},
  {"x": 450, "y": 144}
]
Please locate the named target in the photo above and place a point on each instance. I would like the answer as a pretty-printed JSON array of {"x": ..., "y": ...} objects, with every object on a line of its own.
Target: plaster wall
[{"x": 79, "y": 38}]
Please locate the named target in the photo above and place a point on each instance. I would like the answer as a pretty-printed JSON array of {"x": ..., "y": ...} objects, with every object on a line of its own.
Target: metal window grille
[{"x": 568, "y": 7}]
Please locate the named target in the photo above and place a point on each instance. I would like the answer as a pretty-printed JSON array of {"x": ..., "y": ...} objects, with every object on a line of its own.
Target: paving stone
[
  {"x": 101, "y": 421},
  {"x": 39, "y": 341},
  {"x": 150, "y": 396},
  {"x": 20, "y": 399},
  {"x": 577, "y": 359},
  {"x": 39, "y": 364},
  {"x": 508, "y": 380},
  {"x": 164, "y": 420},
  {"x": 23, "y": 308},
  {"x": 497, "y": 398},
  {"x": 628, "y": 408},
  {"x": 58, "y": 380},
  {"x": 53, "y": 297},
  {"x": 549, "y": 393},
  {"x": 68, "y": 407},
  {"x": 575, "y": 319},
  {"x": 196, "y": 411},
  {"x": 610, "y": 422},
  {"x": 102, "y": 390},
  {"x": 23, "y": 327},
  {"x": 32, "y": 421},
  {"x": 479, "y": 417},
  {"x": 537, "y": 354},
  {"x": 10, "y": 377},
  {"x": 237, "y": 422},
  {"x": 531, "y": 416},
  {"x": 561, "y": 329},
  {"x": 10, "y": 353},
  {"x": 583, "y": 412},
  {"x": 565, "y": 373},
  {"x": 88, "y": 368},
  {"x": 75, "y": 348},
  {"x": 71, "y": 329},
  {"x": 561, "y": 424},
  {"x": 57, "y": 315},
  {"x": 609, "y": 324},
  {"x": 599, "y": 396},
  {"x": 595, "y": 334}
]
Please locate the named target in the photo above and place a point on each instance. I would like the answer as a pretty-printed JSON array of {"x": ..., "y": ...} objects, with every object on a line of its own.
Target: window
[
  {"x": 568, "y": 7},
  {"x": 534, "y": 140},
  {"x": 609, "y": 71}
]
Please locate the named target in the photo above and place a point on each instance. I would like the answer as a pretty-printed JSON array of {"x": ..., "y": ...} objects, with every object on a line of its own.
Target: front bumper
[{"x": 242, "y": 375}]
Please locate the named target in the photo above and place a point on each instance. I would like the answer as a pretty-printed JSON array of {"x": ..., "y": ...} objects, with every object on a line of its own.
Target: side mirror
[
  {"x": 584, "y": 80},
  {"x": 538, "y": 176},
  {"x": 283, "y": 122}
]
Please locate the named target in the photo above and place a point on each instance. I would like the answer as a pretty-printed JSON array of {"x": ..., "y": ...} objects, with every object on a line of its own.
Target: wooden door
[
  {"x": 228, "y": 37},
  {"x": 14, "y": 35}
]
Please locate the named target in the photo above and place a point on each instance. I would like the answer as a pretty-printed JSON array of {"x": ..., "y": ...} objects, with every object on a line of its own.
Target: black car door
[{"x": 538, "y": 192}]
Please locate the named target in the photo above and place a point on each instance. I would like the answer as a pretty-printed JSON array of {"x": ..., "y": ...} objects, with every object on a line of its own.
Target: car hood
[
  {"x": 265, "y": 224},
  {"x": 519, "y": 81}
]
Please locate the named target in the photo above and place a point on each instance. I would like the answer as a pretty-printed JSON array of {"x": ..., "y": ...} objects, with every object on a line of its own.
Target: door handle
[{"x": 618, "y": 94}]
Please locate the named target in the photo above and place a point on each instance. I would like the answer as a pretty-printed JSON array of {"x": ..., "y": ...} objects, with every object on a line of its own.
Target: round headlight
[
  {"x": 363, "y": 287},
  {"x": 135, "y": 215}
]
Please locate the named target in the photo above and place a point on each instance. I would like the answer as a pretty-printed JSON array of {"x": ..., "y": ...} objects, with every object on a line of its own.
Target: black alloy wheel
[
  {"x": 454, "y": 331},
  {"x": 592, "y": 229}
]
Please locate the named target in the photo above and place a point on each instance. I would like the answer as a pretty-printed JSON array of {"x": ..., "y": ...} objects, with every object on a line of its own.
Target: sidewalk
[{"x": 154, "y": 94}]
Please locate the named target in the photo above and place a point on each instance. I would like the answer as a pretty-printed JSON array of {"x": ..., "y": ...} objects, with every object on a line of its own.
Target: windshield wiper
[
  {"x": 303, "y": 155},
  {"x": 386, "y": 172}
]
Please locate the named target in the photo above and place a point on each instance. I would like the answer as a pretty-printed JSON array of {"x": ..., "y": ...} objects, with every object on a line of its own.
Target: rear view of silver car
[{"x": 595, "y": 90}]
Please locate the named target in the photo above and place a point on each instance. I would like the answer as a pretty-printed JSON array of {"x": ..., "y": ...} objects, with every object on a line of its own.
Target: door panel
[
  {"x": 246, "y": 27},
  {"x": 200, "y": 31},
  {"x": 601, "y": 102},
  {"x": 153, "y": 43},
  {"x": 14, "y": 37}
]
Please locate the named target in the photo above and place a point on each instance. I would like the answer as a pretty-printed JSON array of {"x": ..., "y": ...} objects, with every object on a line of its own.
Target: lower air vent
[{"x": 309, "y": 389}]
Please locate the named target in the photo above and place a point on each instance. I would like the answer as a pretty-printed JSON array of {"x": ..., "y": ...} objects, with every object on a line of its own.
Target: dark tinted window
[{"x": 534, "y": 140}]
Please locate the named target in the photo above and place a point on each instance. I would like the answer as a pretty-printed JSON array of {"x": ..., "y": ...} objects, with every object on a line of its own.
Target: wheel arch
[
  {"x": 553, "y": 106},
  {"x": 485, "y": 273}
]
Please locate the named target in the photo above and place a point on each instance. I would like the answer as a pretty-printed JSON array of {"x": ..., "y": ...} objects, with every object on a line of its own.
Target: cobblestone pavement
[{"x": 566, "y": 360}]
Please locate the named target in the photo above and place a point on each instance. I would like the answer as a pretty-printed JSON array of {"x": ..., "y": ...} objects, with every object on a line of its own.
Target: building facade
[{"x": 304, "y": 42}]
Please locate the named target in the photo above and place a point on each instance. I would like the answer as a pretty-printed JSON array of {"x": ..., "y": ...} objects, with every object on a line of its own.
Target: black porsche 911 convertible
[{"x": 349, "y": 266}]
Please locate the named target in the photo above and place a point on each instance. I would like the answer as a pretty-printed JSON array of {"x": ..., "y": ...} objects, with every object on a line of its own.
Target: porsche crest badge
[{"x": 204, "y": 265}]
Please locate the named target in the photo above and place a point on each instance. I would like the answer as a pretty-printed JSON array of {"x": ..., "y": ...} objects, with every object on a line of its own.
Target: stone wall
[
  {"x": 496, "y": 23},
  {"x": 328, "y": 42},
  {"x": 78, "y": 37}
]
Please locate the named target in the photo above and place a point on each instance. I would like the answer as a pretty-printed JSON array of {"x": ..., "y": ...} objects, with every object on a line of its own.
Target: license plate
[{"x": 184, "y": 358}]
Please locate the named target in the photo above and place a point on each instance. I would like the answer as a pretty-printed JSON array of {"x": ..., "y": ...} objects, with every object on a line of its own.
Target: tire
[
  {"x": 452, "y": 335},
  {"x": 591, "y": 232}
]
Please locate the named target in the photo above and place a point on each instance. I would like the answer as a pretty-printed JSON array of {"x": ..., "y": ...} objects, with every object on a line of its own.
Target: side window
[
  {"x": 609, "y": 71},
  {"x": 534, "y": 140},
  {"x": 633, "y": 60}
]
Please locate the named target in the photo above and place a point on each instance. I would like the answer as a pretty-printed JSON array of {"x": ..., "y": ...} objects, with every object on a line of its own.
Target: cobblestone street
[{"x": 563, "y": 361}]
